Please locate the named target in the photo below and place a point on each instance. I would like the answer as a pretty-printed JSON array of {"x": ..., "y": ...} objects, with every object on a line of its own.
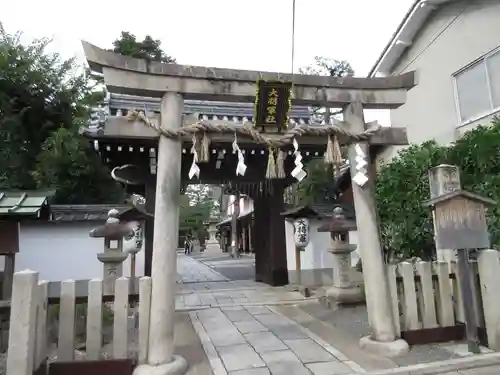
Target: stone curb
[
  {"x": 209, "y": 348},
  {"x": 434, "y": 368},
  {"x": 218, "y": 290},
  {"x": 278, "y": 303}
]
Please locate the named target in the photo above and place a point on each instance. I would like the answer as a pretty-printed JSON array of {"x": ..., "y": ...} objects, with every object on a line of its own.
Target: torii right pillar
[{"x": 384, "y": 339}]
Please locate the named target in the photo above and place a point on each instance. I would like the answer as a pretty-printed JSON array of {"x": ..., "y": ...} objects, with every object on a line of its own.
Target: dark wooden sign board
[{"x": 272, "y": 103}]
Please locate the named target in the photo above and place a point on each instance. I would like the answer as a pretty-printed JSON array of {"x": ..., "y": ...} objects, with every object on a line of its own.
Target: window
[{"x": 478, "y": 88}]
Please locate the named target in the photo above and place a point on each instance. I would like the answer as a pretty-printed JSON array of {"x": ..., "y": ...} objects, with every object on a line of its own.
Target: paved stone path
[
  {"x": 231, "y": 293},
  {"x": 254, "y": 340},
  {"x": 236, "y": 269},
  {"x": 193, "y": 271}
]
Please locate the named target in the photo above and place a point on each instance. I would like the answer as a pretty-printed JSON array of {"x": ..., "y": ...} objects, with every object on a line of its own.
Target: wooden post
[
  {"x": 8, "y": 275},
  {"x": 165, "y": 242},
  {"x": 464, "y": 270},
  {"x": 374, "y": 274},
  {"x": 234, "y": 226},
  {"x": 250, "y": 226},
  {"x": 132, "y": 266},
  {"x": 150, "y": 196},
  {"x": 297, "y": 265},
  {"x": 22, "y": 329}
]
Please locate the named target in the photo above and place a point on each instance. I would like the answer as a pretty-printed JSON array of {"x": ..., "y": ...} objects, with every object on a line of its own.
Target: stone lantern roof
[
  {"x": 113, "y": 229},
  {"x": 338, "y": 223}
]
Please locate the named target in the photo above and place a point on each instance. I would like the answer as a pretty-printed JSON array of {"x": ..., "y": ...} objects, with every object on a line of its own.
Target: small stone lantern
[
  {"x": 113, "y": 256},
  {"x": 343, "y": 291},
  {"x": 443, "y": 179}
]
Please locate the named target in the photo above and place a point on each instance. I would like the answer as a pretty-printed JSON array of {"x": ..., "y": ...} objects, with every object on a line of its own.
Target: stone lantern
[
  {"x": 113, "y": 256},
  {"x": 343, "y": 291},
  {"x": 212, "y": 244}
]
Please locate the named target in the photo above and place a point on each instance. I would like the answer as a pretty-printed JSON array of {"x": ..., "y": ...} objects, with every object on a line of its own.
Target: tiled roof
[
  {"x": 322, "y": 210},
  {"x": 84, "y": 212},
  {"x": 120, "y": 101},
  {"x": 24, "y": 203}
]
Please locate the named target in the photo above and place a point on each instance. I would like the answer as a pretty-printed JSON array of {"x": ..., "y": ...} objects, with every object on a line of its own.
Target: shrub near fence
[
  {"x": 29, "y": 346},
  {"x": 428, "y": 305}
]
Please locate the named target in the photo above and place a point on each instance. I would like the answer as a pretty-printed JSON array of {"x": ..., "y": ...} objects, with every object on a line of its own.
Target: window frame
[{"x": 480, "y": 61}]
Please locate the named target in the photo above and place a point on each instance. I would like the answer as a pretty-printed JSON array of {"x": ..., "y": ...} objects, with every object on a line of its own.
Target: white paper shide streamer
[
  {"x": 298, "y": 172},
  {"x": 241, "y": 166},
  {"x": 194, "y": 170},
  {"x": 361, "y": 177}
]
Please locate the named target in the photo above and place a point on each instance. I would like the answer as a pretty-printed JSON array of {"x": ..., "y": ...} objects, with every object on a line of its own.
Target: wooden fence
[
  {"x": 29, "y": 345},
  {"x": 426, "y": 298}
]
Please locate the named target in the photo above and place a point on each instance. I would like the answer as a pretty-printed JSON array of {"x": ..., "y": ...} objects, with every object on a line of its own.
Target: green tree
[
  {"x": 40, "y": 94},
  {"x": 477, "y": 154},
  {"x": 324, "y": 66},
  {"x": 196, "y": 208},
  {"x": 401, "y": 188},
  {"x": 69, "y": 165},
  {"x": 148, "y": 49}
]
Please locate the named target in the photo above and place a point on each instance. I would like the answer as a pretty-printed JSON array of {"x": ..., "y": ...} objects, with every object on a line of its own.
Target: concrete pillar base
[
  {"x": 384, "y": 348},
  {"x": 178, "y": 366},
  {"x": 352, "y": 294}
]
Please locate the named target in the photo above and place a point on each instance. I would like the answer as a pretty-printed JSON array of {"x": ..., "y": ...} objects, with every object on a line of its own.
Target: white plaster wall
[
  {"x": 65, "y": 251},
  {"x": 246, "y": 205},
  {"x": 355, "y": 255},
  {"x": 316, "y": 255},
  {"x": 456, "y": 35}
]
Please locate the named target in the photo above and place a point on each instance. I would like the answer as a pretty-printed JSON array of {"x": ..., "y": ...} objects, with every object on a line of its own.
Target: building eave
[{"x": 402, "y": 39}]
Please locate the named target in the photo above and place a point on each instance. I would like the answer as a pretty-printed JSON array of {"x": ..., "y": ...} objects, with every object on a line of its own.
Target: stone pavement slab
[
  {"x": 243, "y": 338},
  {"x": 309, "y": 351},
  {"x": 240, "y": 357},
  {"x": 265, "y": 342},
  {"x": 219, "y": 294},
  {"x": 328, "y": 368},
  {"x": 193, "y": 271},
  {"x": 250, "y": 326},
  {"x": 254, "y": 371},
  {"x": 284, "y": 363}
]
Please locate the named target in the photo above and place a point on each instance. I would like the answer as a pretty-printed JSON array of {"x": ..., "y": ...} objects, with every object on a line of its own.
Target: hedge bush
[{"x": 402, "y": 185}]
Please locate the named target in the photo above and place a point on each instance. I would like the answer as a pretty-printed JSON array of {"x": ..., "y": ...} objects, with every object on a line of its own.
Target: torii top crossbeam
[{"x": 127, "y": 75}]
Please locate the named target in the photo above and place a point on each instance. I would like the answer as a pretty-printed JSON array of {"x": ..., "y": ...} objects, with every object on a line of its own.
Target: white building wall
[
  {"x": 65, "y": 251},
  {"x": 316, "y": 262},
  {"x": 246, "y": 205},
  {"x": 455, "y": 36}
]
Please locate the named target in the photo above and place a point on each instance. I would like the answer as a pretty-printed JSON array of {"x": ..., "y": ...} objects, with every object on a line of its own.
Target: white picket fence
[
  {"x": 425, "y": 295},
  {"x": 28, "y": 333}
]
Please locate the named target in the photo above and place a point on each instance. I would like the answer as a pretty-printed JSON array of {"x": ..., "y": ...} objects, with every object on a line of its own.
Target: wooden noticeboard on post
[{"x": 460, "y": 223}]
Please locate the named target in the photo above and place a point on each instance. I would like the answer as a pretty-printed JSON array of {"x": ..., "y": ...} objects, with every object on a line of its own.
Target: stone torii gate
[{"x": 174, "y": 83}]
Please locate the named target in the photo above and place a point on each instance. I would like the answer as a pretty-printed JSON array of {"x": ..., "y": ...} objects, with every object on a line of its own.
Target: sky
[{"x": 252, "y": 35}]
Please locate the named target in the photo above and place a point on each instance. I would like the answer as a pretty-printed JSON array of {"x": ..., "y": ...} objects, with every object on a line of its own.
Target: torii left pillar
[{"x": 160, "y": 358}]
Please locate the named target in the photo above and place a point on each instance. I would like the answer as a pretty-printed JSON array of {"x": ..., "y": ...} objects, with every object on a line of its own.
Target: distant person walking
[{"x": 187, "y": 246}]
